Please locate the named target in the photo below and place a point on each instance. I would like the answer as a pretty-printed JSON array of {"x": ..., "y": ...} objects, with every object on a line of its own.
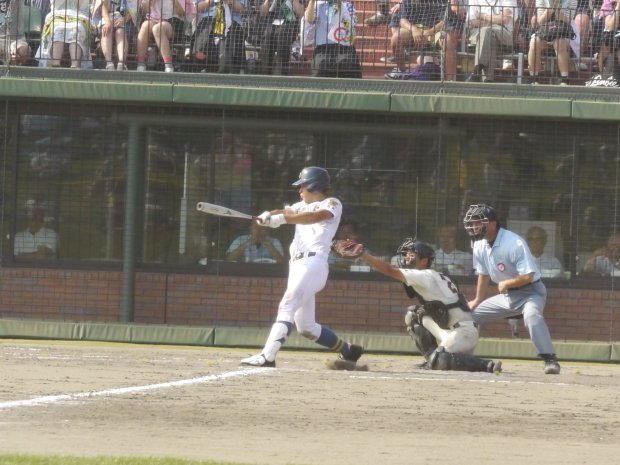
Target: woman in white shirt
[{"x": 68, "y": 22}]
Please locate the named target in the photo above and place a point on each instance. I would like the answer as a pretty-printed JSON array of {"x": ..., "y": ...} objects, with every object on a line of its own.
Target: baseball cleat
[
  {"x": 552, "y": 367},
  {"x": 355, "y": 352},
  {"x": 494, "y": 367},
  {"x": 258, "y": 361},
  {"x": 349, "y": 362}
]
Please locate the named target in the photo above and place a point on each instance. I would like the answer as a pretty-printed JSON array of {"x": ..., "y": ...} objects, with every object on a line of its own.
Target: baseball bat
[{"x": 219, "y": 210}]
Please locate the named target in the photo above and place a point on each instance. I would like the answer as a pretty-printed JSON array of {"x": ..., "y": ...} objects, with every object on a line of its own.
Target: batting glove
[
  {"x": 275, "y": 221},
  {"x": 264, "y": 218}
]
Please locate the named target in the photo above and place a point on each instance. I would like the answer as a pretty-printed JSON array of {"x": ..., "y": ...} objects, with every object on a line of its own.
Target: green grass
[{"x": 101, "y": 460}]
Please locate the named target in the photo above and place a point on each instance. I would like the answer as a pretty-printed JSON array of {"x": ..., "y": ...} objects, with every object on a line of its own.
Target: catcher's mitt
[{"x": 346, "y": 248}]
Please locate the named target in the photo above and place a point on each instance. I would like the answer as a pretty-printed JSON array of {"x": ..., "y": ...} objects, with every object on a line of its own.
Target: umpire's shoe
[
  {"x": 552, "y": 367},
  {"x": 258, "y": 361},
  {"x": 348, "y": 362}
]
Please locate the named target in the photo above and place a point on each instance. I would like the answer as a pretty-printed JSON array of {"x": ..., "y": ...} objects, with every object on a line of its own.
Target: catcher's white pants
[{"x": 460, "y": 340}]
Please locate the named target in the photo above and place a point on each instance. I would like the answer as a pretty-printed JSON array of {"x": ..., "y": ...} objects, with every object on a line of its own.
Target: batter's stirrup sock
[{"x": 328, "y": 339}]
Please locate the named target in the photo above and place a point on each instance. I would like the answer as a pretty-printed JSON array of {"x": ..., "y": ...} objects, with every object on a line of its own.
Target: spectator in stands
[
  {"x": 165, "y": 20},
  {"x": 526, "y": 11},
  {"x": 330, "y": 26},
  {"x": 382, "y": 16},
  {"x": 13, "y": 45},
  {"x": 282, "y": 27},
  {"x": 549, "y": 265},
  {"x": 610, "y": 37},
  {"x": 67, "y": 23},
  {"x": 491, "y": 26},
  {"x": 394, "y": 25},
  {"x": 454, "y": 27},
  {"x": 422, "y": 27},
  {"x": 606, "y": 260},
  {"x": 116, "y": 23},
  {"x": 43, "y": 6},
  {"x": 583, "y": 28},
  {"x": 546, "y": 12},
  {"x": 601, "y": 10},
  {"x": 219, "y": 37},
  {"x": 206, "y": 38},
  {"x": 255, "y": 247},
  {"x": 449, "y": 259},
  {"x": 36, "y": 241}
]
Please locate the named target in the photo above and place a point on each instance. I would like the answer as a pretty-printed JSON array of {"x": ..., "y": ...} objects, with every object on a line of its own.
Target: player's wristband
[{"x": 277, "y": 220}]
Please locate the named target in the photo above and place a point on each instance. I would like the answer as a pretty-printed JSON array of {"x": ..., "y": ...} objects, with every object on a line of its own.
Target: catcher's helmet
[
  {"x": 484, "y": 214},
  {"x": 315, "y": 178},
  {"x": 421, "y": 249}
]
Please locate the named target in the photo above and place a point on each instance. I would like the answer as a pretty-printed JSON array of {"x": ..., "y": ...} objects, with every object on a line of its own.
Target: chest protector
[{"x": 436, "y": 309}]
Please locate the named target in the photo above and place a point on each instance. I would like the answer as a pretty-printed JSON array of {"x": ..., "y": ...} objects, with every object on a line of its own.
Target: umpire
[{"x": 504, "y": 257}]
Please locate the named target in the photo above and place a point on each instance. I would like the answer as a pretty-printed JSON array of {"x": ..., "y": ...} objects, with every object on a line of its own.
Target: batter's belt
[{"x": 300, "y": 255}]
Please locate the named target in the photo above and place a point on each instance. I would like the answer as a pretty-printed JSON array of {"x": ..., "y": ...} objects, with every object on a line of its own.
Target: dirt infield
[{"x": 198, "y": 403}]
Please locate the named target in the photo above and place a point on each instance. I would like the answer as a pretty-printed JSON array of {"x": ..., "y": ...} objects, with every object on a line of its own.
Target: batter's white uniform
[
  {"x": 308, "y": 268},
  {"x": 462, "y": 333}
]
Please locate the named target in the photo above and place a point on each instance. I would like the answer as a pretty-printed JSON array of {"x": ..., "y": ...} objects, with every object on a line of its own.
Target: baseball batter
[
  {"x": 316, "y": 217},
  {"x": 505, "y": 258},
  {"x": 442, "y": 327}
]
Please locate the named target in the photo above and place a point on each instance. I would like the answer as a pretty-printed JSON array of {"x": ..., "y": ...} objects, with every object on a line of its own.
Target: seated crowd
[
  {"x": 580, "y": 34},
  {"x": 425, "y": 38}
]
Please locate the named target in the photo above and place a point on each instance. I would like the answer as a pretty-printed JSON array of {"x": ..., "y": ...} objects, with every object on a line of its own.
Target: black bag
[{"x": 555, "y": 29}]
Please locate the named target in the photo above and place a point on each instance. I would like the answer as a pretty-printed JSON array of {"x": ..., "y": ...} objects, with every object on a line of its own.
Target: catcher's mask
[
  {"x": 477, "y": 219},
  {"x": 421, "y": 249},
  {"x": 315, "y": 179}
]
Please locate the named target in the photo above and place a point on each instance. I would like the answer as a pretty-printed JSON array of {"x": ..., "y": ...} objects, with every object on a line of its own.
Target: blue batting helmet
[{"x": 315, "y": 179}]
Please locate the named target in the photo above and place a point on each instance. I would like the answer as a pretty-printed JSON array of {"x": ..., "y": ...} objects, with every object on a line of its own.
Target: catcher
[{"x": 441, "y": 326}]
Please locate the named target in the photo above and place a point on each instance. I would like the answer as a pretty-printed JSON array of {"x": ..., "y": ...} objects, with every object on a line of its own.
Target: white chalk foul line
[
  {"x": 463, "y": 379},
  {"x": 131, "y": 389}
]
